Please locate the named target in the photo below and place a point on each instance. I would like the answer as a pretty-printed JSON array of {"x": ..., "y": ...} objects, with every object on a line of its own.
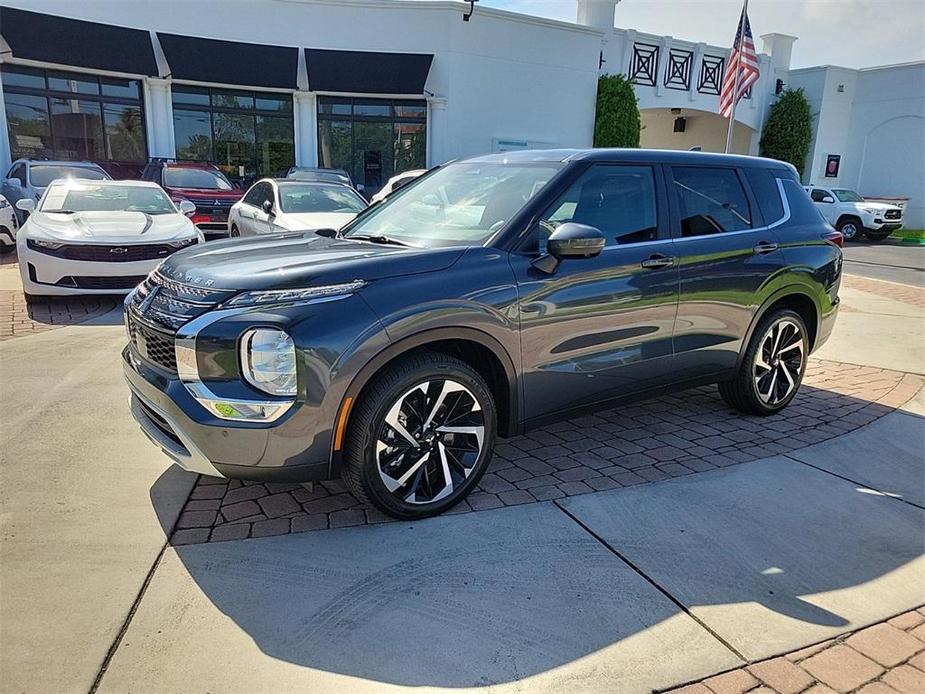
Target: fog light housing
[{"x": 268, "y": 361}]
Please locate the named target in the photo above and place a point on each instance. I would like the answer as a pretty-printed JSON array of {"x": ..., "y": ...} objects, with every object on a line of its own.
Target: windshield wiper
[
  {"x": 380, "y": 238},
  {"x": 61, "y": 211}
]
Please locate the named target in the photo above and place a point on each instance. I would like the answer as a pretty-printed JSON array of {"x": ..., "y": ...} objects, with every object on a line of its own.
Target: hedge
[{"x": 616, "y": 122}]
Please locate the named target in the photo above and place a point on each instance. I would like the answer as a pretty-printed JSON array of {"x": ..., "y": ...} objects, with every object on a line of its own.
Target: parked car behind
[
  {"x": 855, "y": 217},
  {"x": 8, "y": 225},
  {"x": 285, "y": 204},
  {"x": 202, "y": 184},
  {"x": 28, "y": 178},
  {"x": 99, "y": 237},
  {"x": 309, "y": 173},
  {"x": 396, "y": 182},
  {"x": 496, "y": 293}
]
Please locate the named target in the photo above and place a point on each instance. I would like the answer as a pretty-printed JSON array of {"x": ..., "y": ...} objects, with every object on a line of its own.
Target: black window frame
[
  {"x": 253, "y": 111},
  {"x": 754, "y": 217},
  {"x": 99, "y": 98}
]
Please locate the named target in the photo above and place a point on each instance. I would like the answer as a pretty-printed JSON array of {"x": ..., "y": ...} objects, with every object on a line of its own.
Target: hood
[
  {"x": 213, "y": 193},
  {"x": 298, "y": 259},
  {"x": 123, "y": 227},
  {"x": 880, "y": 206},
  {"x": 315, "y": 220}
]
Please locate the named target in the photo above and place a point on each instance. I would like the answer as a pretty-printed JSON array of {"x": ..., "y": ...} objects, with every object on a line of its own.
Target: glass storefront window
[
  {"x": 77, "y": 129},
  {"x": 70, "y": 82},
  {"x": 124, "y": 132},
  {"x": 30, "y": 131},
  {"x": 73, "y": 116},
  {"x": 246, "y": 134},
  {"x": 193, "y": 134},
  {"x": 194, "y": 96},
  {"x": 372, "y": 139}
]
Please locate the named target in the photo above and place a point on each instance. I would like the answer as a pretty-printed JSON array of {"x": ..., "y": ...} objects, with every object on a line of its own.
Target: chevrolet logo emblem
[{"x": 119, "y": 251}]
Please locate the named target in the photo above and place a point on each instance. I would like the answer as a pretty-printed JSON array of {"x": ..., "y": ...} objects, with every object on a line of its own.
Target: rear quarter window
[
  {"x": 802, "y": 209},
  {"x": 764, "y": 186}
]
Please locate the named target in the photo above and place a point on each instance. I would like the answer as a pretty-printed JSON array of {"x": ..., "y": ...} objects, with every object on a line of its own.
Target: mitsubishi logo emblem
[{"x": 217, "y": 203}]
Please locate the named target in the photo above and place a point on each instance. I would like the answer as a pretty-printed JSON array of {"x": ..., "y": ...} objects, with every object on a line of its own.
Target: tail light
[
  {"x": 835, "y": 237},
  {"x": 205, "y": 219}
]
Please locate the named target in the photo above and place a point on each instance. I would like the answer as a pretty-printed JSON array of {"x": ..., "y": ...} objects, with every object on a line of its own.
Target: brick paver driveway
[
  {"x": 679, "y": 434},
  {"x": 18, "y": 318},
  {"x": 882, "y": 659}
]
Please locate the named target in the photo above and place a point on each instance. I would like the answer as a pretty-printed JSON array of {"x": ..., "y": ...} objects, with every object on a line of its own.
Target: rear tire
[
  {"x": 420, "y": 437},
  {"x": 234, "y": 233},
  {"x": 773, "y": 366}
]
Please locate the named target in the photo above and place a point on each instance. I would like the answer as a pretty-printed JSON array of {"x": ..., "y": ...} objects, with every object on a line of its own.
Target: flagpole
[{"x": 735, "y": 91}]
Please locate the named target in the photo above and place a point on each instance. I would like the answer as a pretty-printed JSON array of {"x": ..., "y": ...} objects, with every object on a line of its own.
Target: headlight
[
  {"x": 868, "y": 210},
  {"x": 283, "y": 296},
  {"x": 51, "y": 245},
  {"x": 268, "y": 361},
  {"x": 182, "y": 243}
]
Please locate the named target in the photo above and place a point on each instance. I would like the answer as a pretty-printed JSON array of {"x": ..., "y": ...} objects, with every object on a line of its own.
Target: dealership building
[{"x": 381, "y": 86}]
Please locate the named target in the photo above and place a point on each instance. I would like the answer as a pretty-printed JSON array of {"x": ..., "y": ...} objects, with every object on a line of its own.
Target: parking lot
[{"x": 650, "y": 546}]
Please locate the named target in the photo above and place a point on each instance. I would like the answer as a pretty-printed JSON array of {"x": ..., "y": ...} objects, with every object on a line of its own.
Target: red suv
[{"x": 204, "y": 185}]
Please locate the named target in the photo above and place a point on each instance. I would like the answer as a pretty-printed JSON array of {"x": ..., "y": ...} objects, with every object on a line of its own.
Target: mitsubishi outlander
[{"x": 489, "y": 295}]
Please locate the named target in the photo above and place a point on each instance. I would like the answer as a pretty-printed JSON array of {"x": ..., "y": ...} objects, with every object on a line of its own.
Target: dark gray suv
[{"x": 487, "y": 296}]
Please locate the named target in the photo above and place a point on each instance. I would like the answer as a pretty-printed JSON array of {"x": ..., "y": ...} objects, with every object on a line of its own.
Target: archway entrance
[{"x": 700, "y": 129}]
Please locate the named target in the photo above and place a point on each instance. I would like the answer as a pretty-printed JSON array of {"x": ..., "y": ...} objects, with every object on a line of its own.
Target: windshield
[
  {"x": 43, "y": 174},
  {"x": 204, "y": 179},
  {"x": 86, "y": 197},
  {"x": 318, "y": 197},
  {"x": 847, "y": 195},
  {"x": 460, "y": 204}
]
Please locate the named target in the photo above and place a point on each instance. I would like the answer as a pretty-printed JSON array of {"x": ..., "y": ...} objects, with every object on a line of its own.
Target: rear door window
[{"x": 710, "y": 200}]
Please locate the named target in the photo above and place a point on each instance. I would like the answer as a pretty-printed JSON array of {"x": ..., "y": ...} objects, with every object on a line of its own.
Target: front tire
[
  {"x": 234, "y": 233},
  {"x": 420, "y": 437},
  {"x": 773, "y": 366},
  {"x": 851, "y": 228}
]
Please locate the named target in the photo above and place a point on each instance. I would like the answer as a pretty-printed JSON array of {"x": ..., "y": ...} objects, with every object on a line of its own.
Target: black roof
[{"x": 662, "y": 156}]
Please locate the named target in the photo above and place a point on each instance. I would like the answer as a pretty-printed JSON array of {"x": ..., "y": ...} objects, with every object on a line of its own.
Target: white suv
[{"x": 854, "y": 216}]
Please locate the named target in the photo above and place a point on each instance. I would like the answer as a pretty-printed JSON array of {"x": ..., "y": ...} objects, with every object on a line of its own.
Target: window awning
[
  {"x": 230, "y": 62},
  {"x": 74, "y": 42},
  {"x": 367, "y": 72}
]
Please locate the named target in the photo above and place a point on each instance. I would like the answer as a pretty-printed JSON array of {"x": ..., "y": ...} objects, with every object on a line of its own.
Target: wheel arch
[
  {"x": 478, "y": 349},
  {"x": 795, "y": 297}
]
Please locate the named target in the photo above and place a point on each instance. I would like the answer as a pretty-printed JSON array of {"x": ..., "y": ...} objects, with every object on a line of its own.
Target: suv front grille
[
  {"x": 154, "y": 320},
  {"x": 110, "y": 254},
  {"x": 892, "y": 214},
  {"x": 153, "y": 345}
]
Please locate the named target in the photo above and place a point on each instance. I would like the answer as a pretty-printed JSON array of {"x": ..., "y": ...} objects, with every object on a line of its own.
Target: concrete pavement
[{"x": 79, "y": 484}]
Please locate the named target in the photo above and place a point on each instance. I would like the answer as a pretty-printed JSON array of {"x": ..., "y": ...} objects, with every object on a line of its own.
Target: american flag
[{"x": 743, "y": 61}]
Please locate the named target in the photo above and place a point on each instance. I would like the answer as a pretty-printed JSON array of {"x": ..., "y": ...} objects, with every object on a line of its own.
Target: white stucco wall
[
  {"x": 875, "y": 119},
  {"x": 500, "y": 75}
]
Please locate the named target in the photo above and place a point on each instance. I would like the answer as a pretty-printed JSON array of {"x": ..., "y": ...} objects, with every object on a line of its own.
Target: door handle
[
  {"x": 657, "y": 261},
  {"x": 764, "y": 247}
]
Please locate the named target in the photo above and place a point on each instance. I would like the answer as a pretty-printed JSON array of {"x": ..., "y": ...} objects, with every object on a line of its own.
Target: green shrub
[
  {"x": 789, "y": 130},
  {"x": 616, "y": 123}
]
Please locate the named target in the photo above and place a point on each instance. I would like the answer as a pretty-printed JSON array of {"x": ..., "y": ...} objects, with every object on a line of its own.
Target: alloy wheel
[
  {"x": 430, "y": 441},
  {"x": 850, "y": 230},
  {"x": 779, "y": 362}
]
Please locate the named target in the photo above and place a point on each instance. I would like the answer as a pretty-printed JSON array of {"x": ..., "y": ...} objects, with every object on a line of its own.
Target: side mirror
[
  {"x": 570, "y": 240},
  {"x": 13, "y": 182},
  {"x": 828, "y": 198},
  {"x": 186, "y": 207},
  {"x": 267, "y": 206},
  {"x": 26, "y": 204}
]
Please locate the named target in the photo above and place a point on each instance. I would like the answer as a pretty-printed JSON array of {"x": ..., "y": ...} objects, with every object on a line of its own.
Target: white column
[
  {"x": 159, "y": 118},
  {"x": 305, "y": 126},
  {"x": 696, "y": 66},
  {"x": 662, "y": 63},
  {"x": 437, "y": 132},
  {"x": 6, "y": 157}
]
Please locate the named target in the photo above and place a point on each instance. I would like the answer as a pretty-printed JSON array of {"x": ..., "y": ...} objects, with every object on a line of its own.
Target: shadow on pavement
[{"x": 497, "y": 596}]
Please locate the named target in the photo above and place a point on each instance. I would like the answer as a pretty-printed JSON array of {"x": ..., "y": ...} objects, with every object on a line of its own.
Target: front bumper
[
  {"x": 48, "y": 275},
  {"x": 195, "y": 440}
]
